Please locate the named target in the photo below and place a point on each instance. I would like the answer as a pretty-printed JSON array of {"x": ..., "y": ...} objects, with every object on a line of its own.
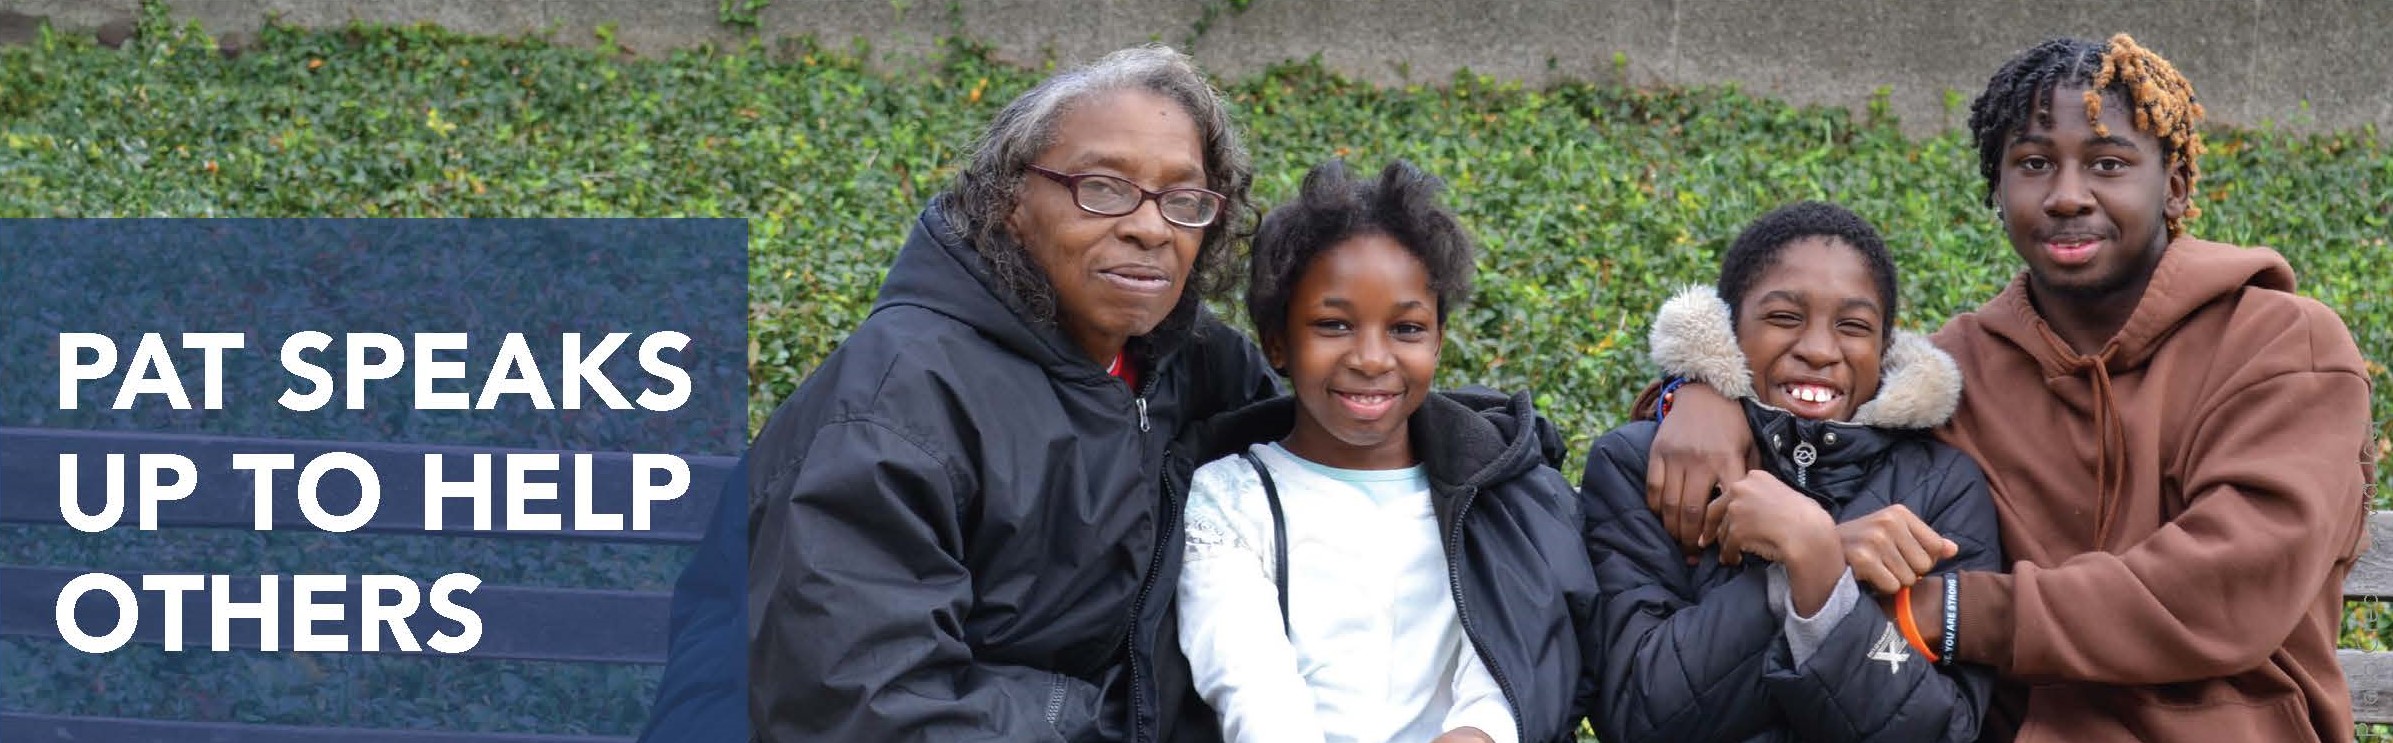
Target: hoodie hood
[
  {"x": 2191, "y": 274},
  {"x": 1918, "y": 388},
  {"x": 1468, "y": 438},
  {"x": 938, "y": 269}
]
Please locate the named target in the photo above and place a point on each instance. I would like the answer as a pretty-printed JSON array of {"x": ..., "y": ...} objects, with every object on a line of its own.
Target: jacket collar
[{"x": 1466, "y": 439}]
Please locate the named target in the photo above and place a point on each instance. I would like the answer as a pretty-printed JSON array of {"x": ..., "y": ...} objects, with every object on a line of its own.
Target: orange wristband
[{"x": 1910, "y": 627}]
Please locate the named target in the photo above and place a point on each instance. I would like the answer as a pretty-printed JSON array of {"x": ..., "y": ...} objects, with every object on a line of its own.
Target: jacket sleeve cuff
[
  {"x": 1804, "y": 635},
  {"x": 1985, "y": 618}
]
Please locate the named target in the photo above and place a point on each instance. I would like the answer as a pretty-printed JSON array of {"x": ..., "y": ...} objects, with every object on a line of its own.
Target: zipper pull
[
  {"x": 1805, "y": 456},
  {"x": 1142, "y": 415}
]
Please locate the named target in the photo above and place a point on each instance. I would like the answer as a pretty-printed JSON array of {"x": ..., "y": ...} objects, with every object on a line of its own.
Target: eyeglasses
[{"x": 1112, "y": 196}]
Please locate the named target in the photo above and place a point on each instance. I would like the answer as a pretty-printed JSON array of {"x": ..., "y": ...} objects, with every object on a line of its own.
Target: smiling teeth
[
  {"x": 1811, "y": 394},
  {"x": 1369, "y": 399}
]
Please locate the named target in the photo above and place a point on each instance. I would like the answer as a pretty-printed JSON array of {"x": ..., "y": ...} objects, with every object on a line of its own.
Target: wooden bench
[
  {"x": 2371, "y": 672},
  {"x": 521, "y": 623}
]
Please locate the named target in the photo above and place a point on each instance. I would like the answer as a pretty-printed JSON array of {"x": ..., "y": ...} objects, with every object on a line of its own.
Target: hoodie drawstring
[{"x": 2110, "y": 466}]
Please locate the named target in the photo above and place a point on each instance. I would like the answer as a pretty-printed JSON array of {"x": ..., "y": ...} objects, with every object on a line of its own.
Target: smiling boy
[{"x": 2177, "y": 443}]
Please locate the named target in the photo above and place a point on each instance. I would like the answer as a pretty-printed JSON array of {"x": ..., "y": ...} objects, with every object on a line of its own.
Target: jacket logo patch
[{"x": 1892, "y": 649}]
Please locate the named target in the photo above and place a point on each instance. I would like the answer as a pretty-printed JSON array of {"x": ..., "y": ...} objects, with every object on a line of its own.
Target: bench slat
[
  {"x": 29, "y": 466},
  {"x": 18, "y": 726},
  {"x": 552, "y": 624},
  {"x": 2371, "y": 675},
  {"x": 2372, "y": 575}
]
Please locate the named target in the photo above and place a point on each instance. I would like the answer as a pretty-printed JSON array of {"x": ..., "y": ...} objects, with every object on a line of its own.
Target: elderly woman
[{"x": 958, "y": 526}]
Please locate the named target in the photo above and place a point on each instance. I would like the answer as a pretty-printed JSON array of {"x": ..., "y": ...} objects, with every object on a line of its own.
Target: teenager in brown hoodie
[{"x": 2177, "y": 443}]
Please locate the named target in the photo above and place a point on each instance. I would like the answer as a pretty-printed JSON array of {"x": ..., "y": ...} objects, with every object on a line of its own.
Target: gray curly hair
[{"x": 986, "y": 189}]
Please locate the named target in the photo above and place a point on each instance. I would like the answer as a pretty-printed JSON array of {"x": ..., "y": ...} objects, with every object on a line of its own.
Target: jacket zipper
[
  {"x": 1169, "y": 527},
  {"x": 1166, "y": 529},
  {"x": 1055, "y": 699},
  {"x": 1462, "y": 613},
  {"x": 1139, "y": 394}
]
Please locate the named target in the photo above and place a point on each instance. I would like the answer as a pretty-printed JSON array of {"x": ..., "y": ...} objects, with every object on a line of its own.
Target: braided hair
[{"x": 2160, "y": 100}]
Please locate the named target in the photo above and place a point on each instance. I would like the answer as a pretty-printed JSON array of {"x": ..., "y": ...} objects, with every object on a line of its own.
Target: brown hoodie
[{"x": 2181, "y": 507}]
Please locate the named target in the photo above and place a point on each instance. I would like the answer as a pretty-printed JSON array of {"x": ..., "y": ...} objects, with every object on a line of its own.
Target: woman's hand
[
  {"x": 1892, "y": 548},
  {"x": 1701, "y": 445},
  {"x": 1763, "y": 517}
]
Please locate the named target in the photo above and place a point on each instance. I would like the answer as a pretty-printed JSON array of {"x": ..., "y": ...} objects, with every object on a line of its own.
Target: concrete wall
[{"x": 2308, "y": 64}]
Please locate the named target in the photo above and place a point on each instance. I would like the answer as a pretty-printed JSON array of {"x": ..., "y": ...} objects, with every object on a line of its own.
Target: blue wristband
[{"x": 1662, "y": 401}]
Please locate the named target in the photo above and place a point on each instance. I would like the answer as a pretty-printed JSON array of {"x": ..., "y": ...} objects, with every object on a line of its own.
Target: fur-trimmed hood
[{"x": 1919, "y": 386}]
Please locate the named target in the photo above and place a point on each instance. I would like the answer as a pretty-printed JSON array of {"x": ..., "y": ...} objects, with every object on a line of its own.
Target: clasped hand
[{"x": 1758, "y": 514}]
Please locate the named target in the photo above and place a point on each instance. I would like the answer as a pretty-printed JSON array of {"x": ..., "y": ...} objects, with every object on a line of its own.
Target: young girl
[
  {"x": 1371, "y": 560},
  {"x": 1850, "y": 490}
]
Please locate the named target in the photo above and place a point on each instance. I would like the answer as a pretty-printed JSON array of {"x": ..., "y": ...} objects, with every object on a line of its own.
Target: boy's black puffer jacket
[{"x": 1694, "y": 653}]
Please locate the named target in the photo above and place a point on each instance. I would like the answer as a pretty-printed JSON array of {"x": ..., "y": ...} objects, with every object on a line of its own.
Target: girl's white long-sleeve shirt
[{"x": 1373, "y": 651}]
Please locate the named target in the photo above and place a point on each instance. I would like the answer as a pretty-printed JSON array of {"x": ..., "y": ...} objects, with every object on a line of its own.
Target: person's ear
[
  {"x": 2180, "y": 194},
  {"x": 1275, "y": 351}
]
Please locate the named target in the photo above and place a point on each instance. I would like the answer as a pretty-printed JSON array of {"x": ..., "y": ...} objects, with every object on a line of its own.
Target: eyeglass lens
[{"x": 1114, "y": 197}]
